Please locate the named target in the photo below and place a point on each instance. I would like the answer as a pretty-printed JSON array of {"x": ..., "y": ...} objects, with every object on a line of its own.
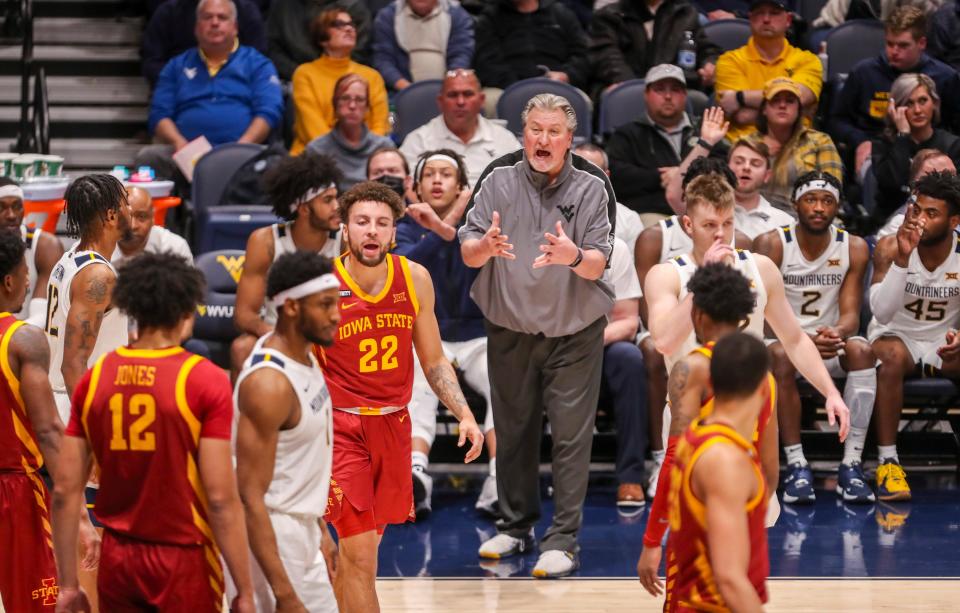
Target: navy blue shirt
[{"x": 458, "y": 315}]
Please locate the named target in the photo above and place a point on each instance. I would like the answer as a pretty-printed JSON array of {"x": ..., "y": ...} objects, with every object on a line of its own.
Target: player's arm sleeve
[
  {"x": 887, "y": 296},
  {"x": 75, "y": 424},
  {"x": 211, "y": 398}
]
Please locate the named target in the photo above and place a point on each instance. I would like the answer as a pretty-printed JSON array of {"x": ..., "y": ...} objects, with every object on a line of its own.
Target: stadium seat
[
  {"x": 810, "y": 9},
  {"x": 625, "y": 103},
  {"x": 851, "y": 42},
  {"x": 224, "y": 226},
  {"x": 415, "y": 106},
  {"x": 515, "y": 97},
  {"x": 728, "y": 34},
  {"x": 214, "y": 322}
]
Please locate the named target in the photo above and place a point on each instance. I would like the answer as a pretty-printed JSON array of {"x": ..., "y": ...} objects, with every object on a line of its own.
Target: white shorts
[
  {"x": 831, "y": 364},
  {"x": 63, "y": 406},
  {"x": 298, "y": 542},
  {"x": 921, "y": 350},
  {"x": 470, "y": 357}
]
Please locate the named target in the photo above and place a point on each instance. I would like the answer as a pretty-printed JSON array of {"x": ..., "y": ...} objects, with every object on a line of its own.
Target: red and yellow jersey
[
  {"x": 19, "y": 451},
  {"x": 691, "y": 584},
  {"x": 369, "y": 367},
  {"x": 143, "y": 413},
  {"x": 766, "y": 413}
]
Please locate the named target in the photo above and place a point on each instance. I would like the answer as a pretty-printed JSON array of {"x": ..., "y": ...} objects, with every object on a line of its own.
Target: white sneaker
[
  {"x": 487, "y": 501},
  {"x": 654, "y": 478},
  {"x": 422, "y": 492},
  {"x": 503, "y": 545},
  {"x": 555, "y": 563}
]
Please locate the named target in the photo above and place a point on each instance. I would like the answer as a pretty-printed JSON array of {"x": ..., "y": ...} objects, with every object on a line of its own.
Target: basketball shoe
[
  {"x": 852, "y": 484},
  {"x": 798, "y": 485},
  {"x": 892, "y": 482},
  {"x": 422, "y": 492}
]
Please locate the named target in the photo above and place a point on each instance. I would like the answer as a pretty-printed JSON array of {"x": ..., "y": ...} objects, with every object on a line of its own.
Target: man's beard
[
  {"x": 308, "y": 334},
  {"x": 357, "y": 254},
  {"x": 318, "y": 223}
]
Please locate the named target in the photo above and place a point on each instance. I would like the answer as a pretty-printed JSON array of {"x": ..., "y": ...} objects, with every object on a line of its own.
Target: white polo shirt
[
  {"x": 160, "y": 240},
  {"x": 762, "y": 219},
  {"x": 623, "y": 274},
  {"x": 489, "y": 142}
]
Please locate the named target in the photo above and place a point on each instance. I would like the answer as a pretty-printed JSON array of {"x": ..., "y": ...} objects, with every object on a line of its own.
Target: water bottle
[
  {"x": 824, "y": 59},
  {"x": 687, "y": 55}
]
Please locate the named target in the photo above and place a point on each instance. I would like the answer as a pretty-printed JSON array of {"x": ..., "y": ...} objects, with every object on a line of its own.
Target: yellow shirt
[
  {"x": 313, "y": 85},
  {"x": 744, "y": 69}
]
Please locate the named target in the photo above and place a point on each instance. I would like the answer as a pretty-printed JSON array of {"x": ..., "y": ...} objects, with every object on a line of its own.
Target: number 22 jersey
[{"x": 369, "y": 367}]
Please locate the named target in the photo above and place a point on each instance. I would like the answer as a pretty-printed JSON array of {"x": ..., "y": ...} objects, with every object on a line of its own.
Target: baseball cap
[
  {"x": 780, "y": 84},
  {"x": 778, "y": 3},
  {"x": 664, "y": 71}
]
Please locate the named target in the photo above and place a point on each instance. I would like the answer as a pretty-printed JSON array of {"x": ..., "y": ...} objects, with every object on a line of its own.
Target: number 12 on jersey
[{"x": 144, "y": 407}]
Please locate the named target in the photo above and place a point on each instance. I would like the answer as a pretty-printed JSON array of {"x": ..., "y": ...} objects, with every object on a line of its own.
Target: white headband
[
  {"x": 313, "y": 286},
  {"x": 436, "y": 157},
  {"x": 310, "y": 195},
  {"x": 818, "y": 184},
  {"x": 11, "y": 190}
]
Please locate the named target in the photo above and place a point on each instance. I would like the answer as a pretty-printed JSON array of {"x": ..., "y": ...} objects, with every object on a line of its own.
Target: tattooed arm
[
  {"x": 90, "y": 294},
  {"x": 436, "y": 367},
  {"x": 689, "y": 383}
]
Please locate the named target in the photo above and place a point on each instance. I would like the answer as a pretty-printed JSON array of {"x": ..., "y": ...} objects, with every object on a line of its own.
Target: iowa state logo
[{"x": 233, "y": 264}]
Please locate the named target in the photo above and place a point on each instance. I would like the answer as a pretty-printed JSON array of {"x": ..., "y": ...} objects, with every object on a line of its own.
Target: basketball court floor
[{"x": 826, "y": 557}]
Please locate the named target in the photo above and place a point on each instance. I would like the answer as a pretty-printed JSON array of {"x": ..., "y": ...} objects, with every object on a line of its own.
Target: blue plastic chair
[
  {"x": 515, "y": 97},
  {"x": 851, "y": 42},
  {"x": 214, "y": 325},
  {"x": 415, "y": 106},
  {"x": 728, "y": 34},
  {"x": 224, "y": 226}
]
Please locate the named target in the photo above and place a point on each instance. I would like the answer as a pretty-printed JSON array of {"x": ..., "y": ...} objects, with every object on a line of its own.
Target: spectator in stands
[
  {"x": 460, "y": 127},
  {"x": 646, "y": 154},
  {"x": 924, "y": 162},
  {"x": 944, "y": 32},
  {"x": 416, "y": 40},
  {"x": 837, "y": 12},
  {"x": 862, "y": 105},
  {"x": 742, "y": 73},
  {"x": 290, "y": 41},
  {"x": 521, "y": 39},
  {"x": 631, "y": 36},
  {"x": 170, "y": 32},
  {"x": 795, "y": 148},
  {"x": 350, "y": 143},
  {"x": 220, "y": 89},
  {"x": 753, "y": 214},
  {"x": 628, "y": 223},
  {"x": 144, "y": 236},
  {"x": 912, "y": 122},
  {"x": 427, "y": 234},
  {"x": 335, "y": 32},
  {"x": 713, "y": 10},
  {"x": 388, "y": 166}
]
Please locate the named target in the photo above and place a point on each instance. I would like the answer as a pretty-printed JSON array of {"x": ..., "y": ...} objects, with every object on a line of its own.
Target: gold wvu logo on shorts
[
  {"x": 48, "y": 591},
  {"x": 399, "y": 297},
  {"x": 233, "y": 264},
  {"x": 833, "y": 262}
]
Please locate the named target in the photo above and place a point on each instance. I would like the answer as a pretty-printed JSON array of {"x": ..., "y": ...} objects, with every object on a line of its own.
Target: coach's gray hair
[
  {"x": 551, "y": 102},
  {"x": 230, "y": 3}
]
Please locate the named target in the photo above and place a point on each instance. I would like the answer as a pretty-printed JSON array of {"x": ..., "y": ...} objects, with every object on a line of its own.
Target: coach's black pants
[{"x": 530, "y": 373}]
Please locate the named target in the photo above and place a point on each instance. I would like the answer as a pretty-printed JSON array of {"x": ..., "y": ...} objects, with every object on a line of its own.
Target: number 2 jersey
[
  {"x": 143, "y": 413},
  {"x": 813, "y": 287},
  {"x": 369, "y": 367},
  {"x": 931, "y": 300}
]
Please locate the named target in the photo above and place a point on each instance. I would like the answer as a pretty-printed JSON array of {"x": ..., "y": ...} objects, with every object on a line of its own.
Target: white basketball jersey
[
  {"x": 283, "y": 244},
  {"x": 931, "y": 300},
  {"x": 113, "y": 329},
  {"x": 31, "y": 238},
  {"x": 744, "y": 262},
  {"x": 813, "y": 287},
  {"x": 675, "y": 240},
  {"x": 301, "y": 470}
]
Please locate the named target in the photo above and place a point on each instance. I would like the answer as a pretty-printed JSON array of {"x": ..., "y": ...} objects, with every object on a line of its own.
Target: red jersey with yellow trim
[
  {"x": 19, "y": 451},
  {"x": 144, "y": 413},
  {"x": 766, "y": 413},
  {"x": 369, "y": 367},
  {"x": 691, "y": 585}
]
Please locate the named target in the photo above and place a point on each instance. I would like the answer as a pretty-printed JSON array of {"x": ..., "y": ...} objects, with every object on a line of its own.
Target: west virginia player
[
  {"x": 722, "y": 300},
  {"x": 387, "y": 310},
  {"x": 157, "y": 419}
]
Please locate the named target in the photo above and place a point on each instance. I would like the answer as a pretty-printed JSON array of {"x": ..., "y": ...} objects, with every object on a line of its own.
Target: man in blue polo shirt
[{"x": 220, "y": 89}]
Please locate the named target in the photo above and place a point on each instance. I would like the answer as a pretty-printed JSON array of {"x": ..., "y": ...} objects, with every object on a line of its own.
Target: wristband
[
  {"x": 741, "y": 101},
  {"x": 703, "y": 143},
  {"x": 576, "y": 261}
]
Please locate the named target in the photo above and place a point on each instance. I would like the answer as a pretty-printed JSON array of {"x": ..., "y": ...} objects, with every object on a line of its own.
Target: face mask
[{"x": 394, "y": 183}]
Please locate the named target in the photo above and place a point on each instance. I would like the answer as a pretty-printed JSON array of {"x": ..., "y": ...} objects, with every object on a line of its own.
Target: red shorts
[
  {"x": 371, "y": 484},
  {"x": 28, "y": 574},
  {"x": 136, "y": 575}
]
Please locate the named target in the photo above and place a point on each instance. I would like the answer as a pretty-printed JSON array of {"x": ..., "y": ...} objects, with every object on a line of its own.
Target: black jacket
[
  {"x": 943, "y": 38},
  {"x": 511, "y": 45},
  {"x": 891, "y": 166},
  {"x": 620, "y": 49}
]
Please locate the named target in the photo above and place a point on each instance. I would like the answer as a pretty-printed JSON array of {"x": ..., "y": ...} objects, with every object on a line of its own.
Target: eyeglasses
[
  {"x": 460, "y": 72},
  {"x": 340, "y": 24},
  {"x": 348, "y": 100}
]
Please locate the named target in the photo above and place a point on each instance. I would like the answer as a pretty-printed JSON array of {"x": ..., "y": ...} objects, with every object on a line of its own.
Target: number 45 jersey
[
  {"x": 931, "y": 301},
  {"x": 813, "y": 287},
  {"x": 143, "y": 413},
  {"x": 369, "y": 367}
]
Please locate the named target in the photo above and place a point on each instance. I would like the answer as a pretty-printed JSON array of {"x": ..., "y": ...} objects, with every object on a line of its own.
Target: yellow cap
[{"x": 780, "y": 84}]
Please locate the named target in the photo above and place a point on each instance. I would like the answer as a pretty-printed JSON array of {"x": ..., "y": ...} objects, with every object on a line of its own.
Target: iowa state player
[
  {"x": 717, "y": 551},
  {"x": 386, "y": 308},
  {"x": 158, "y": 421}
]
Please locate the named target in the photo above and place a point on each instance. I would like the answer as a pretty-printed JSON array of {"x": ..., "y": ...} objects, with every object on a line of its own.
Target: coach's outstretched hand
[
  {"x": 494, "y": 243},
  {"x": 72, "y": 600},
  {"x": 469, "y": 430},
  {"x": 558, "y": 250}
]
